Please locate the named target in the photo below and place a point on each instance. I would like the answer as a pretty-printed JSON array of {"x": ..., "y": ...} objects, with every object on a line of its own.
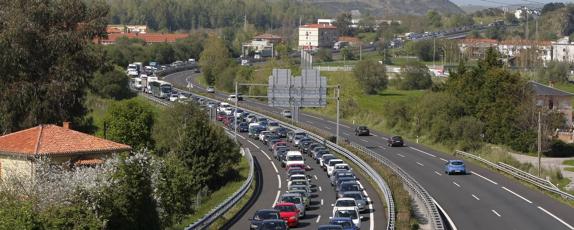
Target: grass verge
[
  {"x": 571, "y": 169},
  {"x": 568, "y": 162},
  {"x": 219, "y": 223},
  {"x": 216, "y": 197}
]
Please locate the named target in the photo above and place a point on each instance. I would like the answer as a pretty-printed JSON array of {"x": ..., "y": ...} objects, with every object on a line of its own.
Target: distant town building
[
  {"x": 476, "y": 48},
  {"x": 563, "y": 50},
  {"x": 550, "y": 98},
  {"x": 523, "y": 12},
  {"x": 262, "y": 45},
  {"x": 147, "y": 37},
  {"x": 328, "y": 21},
  {"x": 314, "y": 36},
  {"x": 19, "y": 150},
  {"x": 141, "y": 29}
]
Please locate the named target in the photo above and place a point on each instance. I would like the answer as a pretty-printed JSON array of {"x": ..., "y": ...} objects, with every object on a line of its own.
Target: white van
[{"x": 294, "y": 157}]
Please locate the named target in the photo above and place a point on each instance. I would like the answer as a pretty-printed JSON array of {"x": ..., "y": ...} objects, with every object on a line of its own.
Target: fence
[{"x": 522, "y": 175}]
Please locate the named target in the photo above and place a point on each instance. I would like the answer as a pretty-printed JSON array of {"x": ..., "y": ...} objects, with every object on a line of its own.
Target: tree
[
  {"x": 415, "y": 76},
  {"x": 214, "y": 59},
  {"x": 348, "y": 53},
  {"x": 425, "y": 49},
  {"x": 555, "y": 72},
  {"x": 371, "y": 76},
  {"x": 552, "y": 7},
  {"x": 47, "y": 60},
  {"x": 112, "y": 84},
  {"x": 130, "y": 122},
  {"x": 511, "y": 19},
  {"x": 343, "y": 24},
  {"x": 204, "y": 148},
  {"x": 324, "y": 55},
  {"x": 434, "y": 19}
]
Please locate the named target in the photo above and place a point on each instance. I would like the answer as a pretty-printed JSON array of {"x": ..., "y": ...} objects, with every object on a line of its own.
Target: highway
[{"x": 481, "y": 200}]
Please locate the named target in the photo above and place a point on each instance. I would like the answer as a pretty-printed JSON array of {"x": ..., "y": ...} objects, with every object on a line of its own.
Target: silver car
[
  {"x": 359, "y": 198},
  {"x": 296, "y": 199}
]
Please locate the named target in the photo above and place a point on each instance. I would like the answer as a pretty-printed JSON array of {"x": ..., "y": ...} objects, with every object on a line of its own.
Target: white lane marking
[
  {"x": 516, "y": 194},
  {"x": 371, "y": 215},
  {"x": 242, "y": 137},
  {"x": 318, "y": 218},
  {"x": 312, "y": 116},
  {"x": 382, "y": 147},
  {"x": 418, "y": 163},
  {"x": 437, "y": 173},
  {"x": 310, "y": 122},
  {"x": 266, "y": 154},
  {"x": 475, "y": 197},
  {"x": 327, "y": 128},
  {"x": 365, "y": 140},
  {"x": 450, "y": 222},
  {"x": 400, "y": 155},
  {"x": 321, "y": 202},
  {"x": 251, "y": 142},
  {"x": 442, "y": 159},
  {"x": 456, "y": 184},
  {"x": 489, "y": 180},
  {"x": 494, "y": 211},
  {"x": 422, "y": 151},
  {"x": 555, "y": 217},
  {"x": 374, "y": 135},
  {"x": 272, "y": 163},
  {"x": 279, "y": 180},
  {"x": 320, "y": 189},
  {"x": 315, "y": 177},
  {"x": 346, "y": 134},
  {"x": 346, "y": 126},
  {"x": 277, "y": 197},
  {"x": 386, "y": 138}
]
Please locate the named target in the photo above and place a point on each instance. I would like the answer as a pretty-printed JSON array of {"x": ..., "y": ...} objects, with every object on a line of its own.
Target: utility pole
[
  {"x": 539, "y": 142},
  {"x": 338, "y": 94},
  {"x": 433, "y": 52},
  {"x": 235, "y": 113}
]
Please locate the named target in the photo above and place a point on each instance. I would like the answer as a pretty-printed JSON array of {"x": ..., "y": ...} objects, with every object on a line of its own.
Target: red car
[
  {"x": 280, "y": 143},
  {"x": 220, "y": 116},
  {"x": 298, "y": 166},
  {"x": 289, "y": 213}
]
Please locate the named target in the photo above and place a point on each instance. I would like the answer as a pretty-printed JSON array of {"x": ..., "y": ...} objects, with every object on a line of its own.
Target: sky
[{"x": 504, "y": 2}]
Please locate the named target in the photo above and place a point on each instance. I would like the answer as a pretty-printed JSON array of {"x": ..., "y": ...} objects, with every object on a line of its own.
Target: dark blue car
[
  {"x": 345, "y": 222},
  {"x": 261, "y": 215}
]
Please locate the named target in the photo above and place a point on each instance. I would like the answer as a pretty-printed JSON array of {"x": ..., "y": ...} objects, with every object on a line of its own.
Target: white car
[
  {"x": 297, "y": 177},
  {"x": 342, "y": 166},
  {"x": 286, "y": 113},
  {"x": 210, "y": 89},
  {"x": 321, "y": 163},
  {"x": 351, "y": 212},
  {"x": 262, "y": 135},
  {"x": 331, "y": 165},
  {"x": 294, "y": 158},
  {"x": 173, "y": 97},
  {"x": 344, "y": 203},
  {"x": 232, "y": 97},
  {"x": 304, "y": 182}
]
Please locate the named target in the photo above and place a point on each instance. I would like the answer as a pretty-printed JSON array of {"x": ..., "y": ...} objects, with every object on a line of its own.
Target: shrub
[{"x": 560, "y": 149}]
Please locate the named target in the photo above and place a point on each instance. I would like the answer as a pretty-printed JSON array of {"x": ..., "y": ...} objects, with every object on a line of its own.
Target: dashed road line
[
  {"x": 327, "y": 128},
  {"x": 365, "y": 140},
  {"x": 456, "y": 184},
  {"x": 272, "y": 163},
  {"x": 400, "y": 155},
  {"x": 320, "y": 189},
  {"x": 475, "y": 197},
  {"x": 516, "y": 194},
  {"x": 346, "y": 126},
  {"x": 437, "y": 173},
  {"x": 481, "y": 176},
  {"x": 382, "y": 147},
  {"x": 442, "y": 159},
  {"x": 374, "y": 135},
  {"x": 242, "y": 137},
  {"x": 321, "y": 202},
  {"x": 418, "y": 163},
  {"x": 386, "y": 138},
  {"x": 418, "y": 150},
  {"x": 315, "y": 177},
  {"x": 279, "y": 180},
  {"x": 496, "y": 213},
  {"x": 555, "y": 217},
  {"x": 318, "y": 218}
]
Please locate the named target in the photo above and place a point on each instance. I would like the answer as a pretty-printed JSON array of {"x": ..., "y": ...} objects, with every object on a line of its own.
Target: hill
[{"x": 387, "y": 7}]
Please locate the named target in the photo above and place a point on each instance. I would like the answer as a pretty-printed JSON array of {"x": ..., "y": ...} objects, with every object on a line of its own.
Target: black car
[
  {"x": 273, "y": 225},
  {"x": 281, "y": 132},
  {"x": 261, "y": 215},
  {"x": 395, "y": 141},
  {"x": 243, "y": 127},
  {"x": 362, "y": 131}
]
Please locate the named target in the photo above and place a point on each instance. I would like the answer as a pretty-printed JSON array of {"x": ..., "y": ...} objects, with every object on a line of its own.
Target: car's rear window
[
  {"x": 456, "y": 163},
  {"x": 285, "y": 208}
]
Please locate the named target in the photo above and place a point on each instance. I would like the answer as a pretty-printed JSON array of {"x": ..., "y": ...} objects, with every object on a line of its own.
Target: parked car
[
  {"x": 288, "y": 212},
  {"x": 261, "y": 215},
  {"x": 362, "y": 131},
  {"x": 455, "y": 167},
  {"x": 395, "y": 141},
  {"x": 210, "y": 89}
]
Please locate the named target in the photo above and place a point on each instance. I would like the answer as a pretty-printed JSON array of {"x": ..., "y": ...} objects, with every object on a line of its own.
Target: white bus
[{"x": 160, "y": 89}]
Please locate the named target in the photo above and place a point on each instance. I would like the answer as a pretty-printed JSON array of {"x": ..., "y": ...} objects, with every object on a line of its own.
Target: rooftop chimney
[
  {"x": 66, "y": 125},
  {"x": 551, "y": 84}
]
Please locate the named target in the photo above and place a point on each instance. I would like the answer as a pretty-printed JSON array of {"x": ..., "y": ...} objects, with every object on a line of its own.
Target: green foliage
[
  {"x": 371, "y": 76},
  {"x": 415, "y": 76},
  {"x": 560, "y": 149},
  {"x": 214, "y": 59},
  {"x": 458, "y": 20},
  {"x": 511, "y": 19},
  {"x": 71, "y": 216},
  {"x": 343, "y": 24},
  {"x": 324, "y": 55},
  {"x": 174, "y": 15},
  {"x": 547, "y": 8},
  {"x": 555, "y": 71},
  {"x": 434, "y": 19},
  {"x": 204, "y": 149},
  {"x": 348, "y": 54},
  {"x": 130, "y": 122},
  {"x": 46, "y": 59},
  {"x": 424, "y": 49},
  {"x": 113, "y": 84},
  {"x": 129, "y": 203},
  {"x": 16, "y": 213}
]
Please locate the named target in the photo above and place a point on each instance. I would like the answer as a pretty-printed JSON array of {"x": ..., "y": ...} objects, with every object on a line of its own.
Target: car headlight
[
  {"x": 254, "y": 226},
  {"x": 293, "y": 218}
]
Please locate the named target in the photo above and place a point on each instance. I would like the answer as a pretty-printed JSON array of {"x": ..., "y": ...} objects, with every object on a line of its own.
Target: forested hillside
[{"x": 173, "y": 15}]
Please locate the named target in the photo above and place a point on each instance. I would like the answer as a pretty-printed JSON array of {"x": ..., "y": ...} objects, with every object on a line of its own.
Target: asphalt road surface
[{"x": 480, "y": 200}]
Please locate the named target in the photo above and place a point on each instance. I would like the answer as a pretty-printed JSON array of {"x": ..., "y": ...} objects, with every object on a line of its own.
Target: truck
[
  {"x": 132, "y": 70},
  {"x": 139, "y": 67},
  {"x": 150, "y": 79}
]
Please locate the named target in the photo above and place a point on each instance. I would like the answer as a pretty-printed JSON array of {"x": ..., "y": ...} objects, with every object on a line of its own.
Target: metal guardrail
[
  {"x": 522, "y": 175},
  {"x": 349, "y": 155},
  {"x": 222, "y": 208},
  {"x": 174, "y": 69},
  {"x": 411, "y": 183}
]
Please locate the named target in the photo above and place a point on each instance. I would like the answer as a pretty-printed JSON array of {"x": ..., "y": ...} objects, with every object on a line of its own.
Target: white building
[
  {"x": 563, "y": 50},
  {"x": 326, "y": 21},
  {"x": 314, "y": 36},
  {"x": 523, "y": 11}
]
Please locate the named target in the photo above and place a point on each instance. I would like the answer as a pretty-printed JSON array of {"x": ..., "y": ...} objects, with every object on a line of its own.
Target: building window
[{"x": 550, "y": 104}]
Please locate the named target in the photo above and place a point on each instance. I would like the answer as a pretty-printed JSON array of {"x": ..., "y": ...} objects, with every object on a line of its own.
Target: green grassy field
[{"x": 568, "y": 162}]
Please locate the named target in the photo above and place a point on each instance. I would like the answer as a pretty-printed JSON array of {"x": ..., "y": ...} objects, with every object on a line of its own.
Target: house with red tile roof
[
  {"x": 19, "y": 150},
  {"x": 147, "y": 37}
]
